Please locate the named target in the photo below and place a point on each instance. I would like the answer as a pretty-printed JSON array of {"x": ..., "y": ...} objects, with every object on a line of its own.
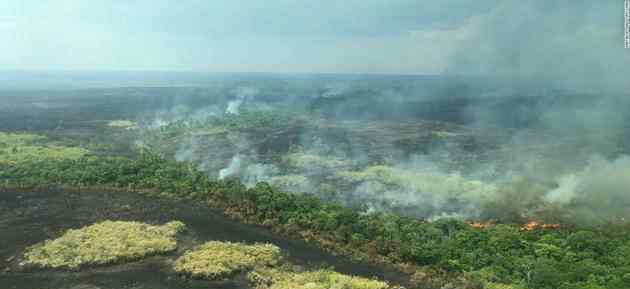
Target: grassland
[
  {"x": 20, "y": 148},
  {"x": 103, "y": 243},
  {"x": 216, "y": 260},
  {"x": 319, "y": 279}
]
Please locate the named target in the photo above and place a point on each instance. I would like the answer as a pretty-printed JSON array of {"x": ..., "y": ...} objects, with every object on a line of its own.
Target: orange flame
[
  {"x": 478, "y": 225},
  {"x": 532, "y": 225}
]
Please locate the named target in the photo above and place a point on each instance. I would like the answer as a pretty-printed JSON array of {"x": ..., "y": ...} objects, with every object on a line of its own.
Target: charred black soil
[{"x": 29, "y": 217}]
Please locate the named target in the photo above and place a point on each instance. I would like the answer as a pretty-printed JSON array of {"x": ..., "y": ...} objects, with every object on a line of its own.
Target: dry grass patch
[
  {"x": 311, "y": 161},
  {"x": 320, "y": 279},
  {"x": 214, "y": 260},
  {"x": 102, "y": 243},
  {"x": 126, "y": 124},
  {"x": 17, "y": 148}
]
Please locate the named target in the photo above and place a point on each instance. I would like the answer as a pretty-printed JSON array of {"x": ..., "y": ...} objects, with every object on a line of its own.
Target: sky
[{"x": 308, "y": 36}]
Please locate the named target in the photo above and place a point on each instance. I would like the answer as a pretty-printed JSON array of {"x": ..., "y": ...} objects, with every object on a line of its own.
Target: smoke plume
[{"x": 528, "y": 123}]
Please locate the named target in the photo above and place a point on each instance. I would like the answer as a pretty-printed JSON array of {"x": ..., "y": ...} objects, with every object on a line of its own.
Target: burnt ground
[{"x": 30, "y": 217}]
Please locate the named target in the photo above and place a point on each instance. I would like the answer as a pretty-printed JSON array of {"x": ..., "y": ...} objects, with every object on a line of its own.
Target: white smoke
[
  {"x": 181, "y": 113},
  {"x": 249, "y": 173},
  {"x": 185, "y": 151},
  {"x": 256, "y": 173},
  {"x": 600, "y": 182},
  {"x": 233, "y": 169},
  {"x": 205, "y": 113},
  {"x": 431, "y": 191},
  {"x": 233, "y": 106},
  {"x": 335, "y": 89},
  {"x": 566, "y": 190},
  {"x": 243, "y": 94}
]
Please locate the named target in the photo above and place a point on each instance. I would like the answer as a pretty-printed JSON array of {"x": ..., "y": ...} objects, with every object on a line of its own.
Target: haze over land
[
  {"x": 439, "y": 144},
  {"x": 577, "y": 43},
  {"x": 549, "y": 76}
]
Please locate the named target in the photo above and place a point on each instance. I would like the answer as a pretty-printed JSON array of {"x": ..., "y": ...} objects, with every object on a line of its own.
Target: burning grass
[
  {"x": 103, "y": 243},
  {"x": 216, "y": 260},
  {"x": 533, "y": 225},
  {"x": 480, "y": 225}
]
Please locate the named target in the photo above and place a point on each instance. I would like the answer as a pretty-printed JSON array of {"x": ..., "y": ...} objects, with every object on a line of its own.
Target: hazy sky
[{"x": 386, "y": 36}]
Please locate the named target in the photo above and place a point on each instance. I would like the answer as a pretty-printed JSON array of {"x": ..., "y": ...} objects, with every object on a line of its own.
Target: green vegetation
[
  {"x": 218, "y": 134},
  {"x": 215, "y": 260},
  {"x": 262, "y": 120},
  {"x": 246, "y": 121},
  {"x": 445, "y": 251},
  {"x": 7, "y": 139},
  {"x": 102, "y": 243},
  {"x": 19, "y": 148},
  {"x": 320, "y": 279}
]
